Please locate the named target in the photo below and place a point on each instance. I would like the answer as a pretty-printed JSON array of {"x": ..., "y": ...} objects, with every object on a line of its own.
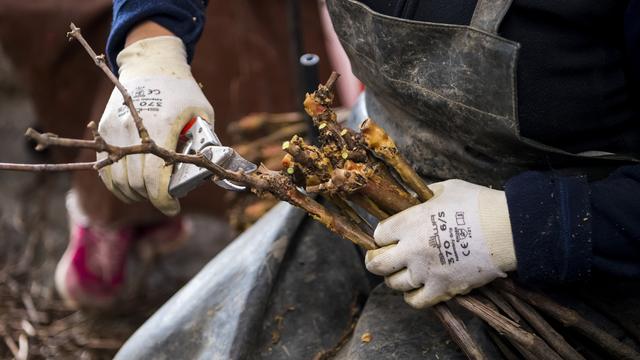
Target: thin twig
[
  {"x": 507, "y": 327},
  {"x": 458, "y": 331},
  {"x": 99, "y": 60},
  {"x": 48, "y": 167},
  {"x": 13, "y": 347},
  {"x": 27, "y": 327},
  {"x": 368, "y": 205},
  {"x": 345, "y": 208},
  {"x": 571, "y": 318},
  {"x": 332, "y": 80},
  {"x": 623, "y": 320},
  {"x": 502, "y": 346},
  {"x": 543, "y": 328},
  {"x": 500, "y": 303},
  {"x": 32, "y": 312},
  {"x": 23, "y": 347}
]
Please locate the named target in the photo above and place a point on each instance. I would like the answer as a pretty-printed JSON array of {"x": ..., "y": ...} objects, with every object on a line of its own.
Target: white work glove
[
  {"x": 458, "y": 240},
  {"x": 156, "y": 74}
]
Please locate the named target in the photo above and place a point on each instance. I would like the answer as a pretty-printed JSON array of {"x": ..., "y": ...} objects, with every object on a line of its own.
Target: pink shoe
[{"x": 91, "y": 273}]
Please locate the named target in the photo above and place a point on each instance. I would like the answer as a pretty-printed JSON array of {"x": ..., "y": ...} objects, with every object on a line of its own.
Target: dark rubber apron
[{"x": 447, "y": 93}]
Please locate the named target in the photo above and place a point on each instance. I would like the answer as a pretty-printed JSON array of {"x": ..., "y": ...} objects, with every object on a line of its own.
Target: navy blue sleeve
[
  {"x": 185, "y": 18},
  {"x": 565, "y": 228}
]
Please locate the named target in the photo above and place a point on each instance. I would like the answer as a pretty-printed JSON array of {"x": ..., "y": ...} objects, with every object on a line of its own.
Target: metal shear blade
[{"x": 201, "y": 139}]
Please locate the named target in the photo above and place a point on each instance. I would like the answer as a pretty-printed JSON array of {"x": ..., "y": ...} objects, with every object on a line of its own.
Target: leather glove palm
[
  {"x": 458, "y": 240},
  {"x": 156, "y": 74}
]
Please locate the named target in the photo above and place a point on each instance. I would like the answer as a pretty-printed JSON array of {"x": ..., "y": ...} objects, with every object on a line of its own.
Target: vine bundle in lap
[{"x": 365, "y": 170}]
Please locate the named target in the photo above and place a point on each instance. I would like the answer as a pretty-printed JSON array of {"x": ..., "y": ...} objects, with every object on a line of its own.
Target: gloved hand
[
  {"x": 156, "y": 74},
  {"x": 458, "y": 240}
]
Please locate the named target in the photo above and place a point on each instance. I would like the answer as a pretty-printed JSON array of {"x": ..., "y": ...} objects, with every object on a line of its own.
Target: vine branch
[{"x": 99, "y": 60}]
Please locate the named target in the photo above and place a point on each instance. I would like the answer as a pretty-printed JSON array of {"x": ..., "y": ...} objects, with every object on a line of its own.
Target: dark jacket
[{"x": 577, "y": 89}]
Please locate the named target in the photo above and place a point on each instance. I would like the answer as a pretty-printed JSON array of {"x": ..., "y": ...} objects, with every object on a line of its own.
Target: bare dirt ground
[{"x": 34, "y": 322}]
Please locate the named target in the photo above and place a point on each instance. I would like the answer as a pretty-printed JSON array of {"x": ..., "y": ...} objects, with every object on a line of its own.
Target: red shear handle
[{"x": 186, "y": 128}]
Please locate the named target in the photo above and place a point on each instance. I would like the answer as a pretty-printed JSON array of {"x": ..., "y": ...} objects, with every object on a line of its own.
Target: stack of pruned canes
[{"x": 365, "y": 170}]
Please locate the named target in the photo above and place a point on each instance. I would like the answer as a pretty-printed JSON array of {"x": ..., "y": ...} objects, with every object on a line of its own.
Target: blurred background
[{"x": 33, "y": 236}]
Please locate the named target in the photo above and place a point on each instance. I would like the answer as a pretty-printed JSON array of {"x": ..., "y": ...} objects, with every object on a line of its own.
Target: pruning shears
[{"x": 199, "y": 138}]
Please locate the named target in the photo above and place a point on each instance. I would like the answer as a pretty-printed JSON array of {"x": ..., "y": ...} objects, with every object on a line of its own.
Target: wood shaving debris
[{"x": 366, "y": 337}]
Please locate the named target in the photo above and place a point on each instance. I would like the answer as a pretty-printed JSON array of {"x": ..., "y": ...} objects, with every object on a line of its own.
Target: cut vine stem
[
  {"x": 507, "y": 327},
  {"x": 542, "y": 327},
  {"x": 570, "y": 318}
]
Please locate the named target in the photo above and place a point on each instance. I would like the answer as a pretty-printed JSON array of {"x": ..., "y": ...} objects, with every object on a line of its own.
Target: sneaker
[{"x": 92, "y": 270}]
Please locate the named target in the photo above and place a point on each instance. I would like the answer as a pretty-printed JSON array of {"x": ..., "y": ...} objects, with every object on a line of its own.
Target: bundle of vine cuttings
[
  {"x": 363, "y": 170},
  {"x": 258, "y": 138}
]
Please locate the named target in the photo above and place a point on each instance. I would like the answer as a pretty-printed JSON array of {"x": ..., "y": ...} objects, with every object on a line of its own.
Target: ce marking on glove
[
  {"x": 142, "y": 91},
  {"x": 147, "y": 99},
  {"x": 458, "y": 238}
]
